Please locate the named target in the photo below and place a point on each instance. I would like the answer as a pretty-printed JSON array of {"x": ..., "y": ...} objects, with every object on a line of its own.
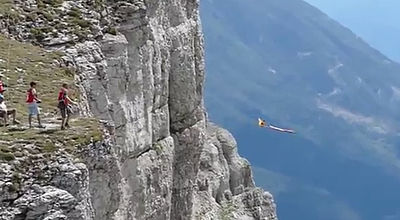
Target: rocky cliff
[{"x": 139, "y": 66}]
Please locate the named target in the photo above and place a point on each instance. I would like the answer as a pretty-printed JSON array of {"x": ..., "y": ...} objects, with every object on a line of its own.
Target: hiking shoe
[
  {"x": 41, "y": 126},
  {"x": 16, "y": 122}
]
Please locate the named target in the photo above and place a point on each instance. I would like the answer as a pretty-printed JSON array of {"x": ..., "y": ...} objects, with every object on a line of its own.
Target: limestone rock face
[
  {"x": 163, "y": 160},
  {"x": 226, "y": 186},
  {"x": 36, "y": 187}
]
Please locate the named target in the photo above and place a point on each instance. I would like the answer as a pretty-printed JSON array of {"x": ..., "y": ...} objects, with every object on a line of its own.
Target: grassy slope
[{"x": 25, "y": 63}]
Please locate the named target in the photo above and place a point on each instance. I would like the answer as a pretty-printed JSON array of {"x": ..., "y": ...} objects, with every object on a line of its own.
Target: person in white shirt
[{"x": 4, "y": 112}]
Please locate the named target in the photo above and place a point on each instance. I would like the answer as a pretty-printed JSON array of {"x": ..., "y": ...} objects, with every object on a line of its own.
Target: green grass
[
  {"x": 13, "y": 15},
  {"x": 23, "y": 63},
  {"x": 74, "y": 12},
  {"x": 81, "y": 22},
  {"x": 49, "y": 3},
  {"x": 83, "y": 131},
  {"x": 99, "y": 4},
  {"x": 48, "y": 16},
  {"x": 7, "y": 156},
  {"x": 54, "y": 18},
  {"x": 226, "y": 212},
  {"x": 8, "y": 12},
  {"x": 112, "y": 30},
  {"x": 32, "y": 16},
  {"x": 53, "y": 3},
  {"x": 158, "y": 148},
  {"x": 16, "y": 182}
]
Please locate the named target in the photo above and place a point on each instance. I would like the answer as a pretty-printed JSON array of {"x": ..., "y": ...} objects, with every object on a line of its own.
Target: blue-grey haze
[
  {"x": 288, "y": 62},
  {"x": 376, "y": 21}
]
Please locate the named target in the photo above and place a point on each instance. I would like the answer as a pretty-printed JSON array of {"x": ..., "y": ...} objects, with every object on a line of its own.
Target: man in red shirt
[
  {"x": 32, "y": 100},
  {"x": 64, "y": 105}
]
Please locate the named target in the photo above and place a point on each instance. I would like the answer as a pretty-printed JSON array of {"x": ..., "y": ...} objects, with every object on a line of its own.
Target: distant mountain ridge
[
  {"x": 290, "y": 63},
  {"x": 382, "y": 29}
]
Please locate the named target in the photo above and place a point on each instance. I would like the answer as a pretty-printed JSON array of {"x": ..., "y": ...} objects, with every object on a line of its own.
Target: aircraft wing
[{"x": 281, "y": 129}]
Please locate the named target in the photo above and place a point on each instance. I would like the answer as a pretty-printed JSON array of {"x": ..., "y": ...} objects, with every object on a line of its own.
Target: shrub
[{"x": 112, "y": 30}]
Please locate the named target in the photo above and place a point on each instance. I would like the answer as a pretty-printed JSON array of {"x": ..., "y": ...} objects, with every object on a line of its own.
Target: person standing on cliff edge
[
  {"x": 33, "y": 108},
  {"x": 64, "y": 105}
]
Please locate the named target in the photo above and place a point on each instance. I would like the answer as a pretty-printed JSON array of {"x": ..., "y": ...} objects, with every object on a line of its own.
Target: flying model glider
[{"x": 263, "y": 124}]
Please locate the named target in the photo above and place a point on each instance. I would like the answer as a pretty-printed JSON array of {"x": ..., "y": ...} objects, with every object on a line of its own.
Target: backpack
[{"x": 61, "y": 99}]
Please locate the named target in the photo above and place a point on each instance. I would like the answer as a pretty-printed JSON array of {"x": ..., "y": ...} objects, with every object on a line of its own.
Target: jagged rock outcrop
[
  {"x": 36, "y": 187},
  {"x": 226, "y": 186},
  {"x": 145, "y": 80}
]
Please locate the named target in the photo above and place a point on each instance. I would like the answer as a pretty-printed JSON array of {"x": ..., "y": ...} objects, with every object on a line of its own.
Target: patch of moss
[
  {"x": 40, "y": 4},
  {"x": 54, "y": 3},
  {"x": 7, "y": 156},
  {"x": 5, "y": 6},
  {"x": 74, "y": 12},
  {"x": 54, "y": 34},
  {"x": 158, "y": 148},
  {"x": 47, "y": 29},
  {"x": 32, "y": 16},
  {"x": 38, "y": 34},
  {"x": 81, "y": 22},
  {"x": 226, "y": 212},
  {"x": 8, "y": 11},
  {"x": 13, "y": 188},
  {"x": 4, "y": 149},
  {"x": 99, "y": 4},
  {"x": 61, "y": 26},
  {"x": 48, "y": 146},
  {"x": 82, "y": 34},
  {"x": 49, "y": 3},
  {"x": 112, "y": 30},
  {"x": 69, "y": 72},
  {"x": 48, "y": 16},
  {"x": 16, "y": 182}
]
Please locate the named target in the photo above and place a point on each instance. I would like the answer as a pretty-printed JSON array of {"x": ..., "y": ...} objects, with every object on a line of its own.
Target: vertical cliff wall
[{"x": 144, "y": 80}]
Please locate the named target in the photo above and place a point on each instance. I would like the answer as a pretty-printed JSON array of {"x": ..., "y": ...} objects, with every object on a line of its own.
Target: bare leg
[
  {"x": 30, "y": 121},
  {"x": 62, "y": 111},
  {"x": 66, "y": 121},
  {"x": 6, "y": 117},
  {"x": 38, "y": 119},
  {"x": 3, "y": 115},
  {"x": 13, "y": 112},
  {"x": 63, "y": 124}
]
